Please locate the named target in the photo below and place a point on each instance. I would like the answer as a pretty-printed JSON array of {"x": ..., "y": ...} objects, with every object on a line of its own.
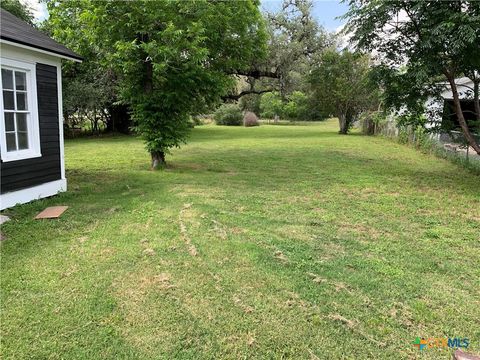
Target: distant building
[{"x": 442, "y": 111}]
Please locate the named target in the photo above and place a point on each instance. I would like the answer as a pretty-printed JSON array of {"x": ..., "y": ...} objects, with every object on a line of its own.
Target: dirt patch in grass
[
  {"x": 185, "y": 215},
  {"x": 281, "y": 256},
  {"x": 247, "y": 309},
  {"x": 317, "y": 279},
  {"x": 219, "y": 229},
  {"x": 330, "y": 250},
  {"x": 343, "y": 320},
  {"x": 361, "y": 231}
]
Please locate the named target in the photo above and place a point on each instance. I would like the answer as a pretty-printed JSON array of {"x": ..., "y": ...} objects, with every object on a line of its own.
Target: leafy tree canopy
[
  {"x": 342, "y": 86},
  {"x": 271, "y": 105},
  {"x": 420, "y": 41},
  {"x": 295, "y": 40},
  {"x": 19, "y": 9},
  {"x": 174, "y": 58}
]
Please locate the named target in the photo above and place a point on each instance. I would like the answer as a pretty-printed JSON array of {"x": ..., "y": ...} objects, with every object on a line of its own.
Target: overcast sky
[{"x": 325, "y": 11}]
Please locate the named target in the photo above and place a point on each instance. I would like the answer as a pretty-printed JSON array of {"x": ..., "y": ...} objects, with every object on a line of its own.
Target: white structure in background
[{"x": 437, "y": 106}]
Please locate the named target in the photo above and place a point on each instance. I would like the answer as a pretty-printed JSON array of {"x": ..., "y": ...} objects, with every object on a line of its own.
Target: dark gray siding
[{"x": 16, "y": 175}]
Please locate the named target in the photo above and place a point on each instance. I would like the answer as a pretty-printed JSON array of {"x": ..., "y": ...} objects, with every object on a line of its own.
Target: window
[{"x": 19, "y": 119}]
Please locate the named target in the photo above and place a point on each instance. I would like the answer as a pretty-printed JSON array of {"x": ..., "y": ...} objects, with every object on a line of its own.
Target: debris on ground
[{"x": 52, "y": 212}]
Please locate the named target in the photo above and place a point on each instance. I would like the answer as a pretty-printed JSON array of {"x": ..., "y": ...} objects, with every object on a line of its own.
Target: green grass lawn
[{"x": 269, "y": 242}]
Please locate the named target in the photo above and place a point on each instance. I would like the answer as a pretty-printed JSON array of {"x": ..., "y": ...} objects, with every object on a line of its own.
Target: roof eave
[{"x": 39, "y": 49}]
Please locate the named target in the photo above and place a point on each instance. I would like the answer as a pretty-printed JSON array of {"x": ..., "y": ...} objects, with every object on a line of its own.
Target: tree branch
[
  {"x": 256, "y": 73},
  {"x": 246, "y": 92}
]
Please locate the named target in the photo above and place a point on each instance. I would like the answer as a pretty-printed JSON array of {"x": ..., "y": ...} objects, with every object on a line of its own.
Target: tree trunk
[
  {"x": 158, "y": 159},
  {"x": 343, "y": 123},
  {"x": 158, "y": 156},
  {"x": 461, "y": 119},
  {"x": 476, "y": 99},
  {"x": 95, "y": 122}
]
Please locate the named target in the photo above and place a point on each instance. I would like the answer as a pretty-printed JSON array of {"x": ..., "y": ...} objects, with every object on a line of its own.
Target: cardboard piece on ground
[{"x": 52, "y": 212}]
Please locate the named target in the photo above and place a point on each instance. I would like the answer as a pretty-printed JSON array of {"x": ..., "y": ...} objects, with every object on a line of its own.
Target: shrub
[
  {"x": 250, "y": 119},
  {"x": 250, "y": 102},
  {"x": 271, "y": 105},
  {"x": 228, "y": 114},
  {"x": 297, "y": 107}
]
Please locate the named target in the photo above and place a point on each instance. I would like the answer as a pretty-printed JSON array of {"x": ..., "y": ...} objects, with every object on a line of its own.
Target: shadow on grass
[{"x": 93, "y": 197}]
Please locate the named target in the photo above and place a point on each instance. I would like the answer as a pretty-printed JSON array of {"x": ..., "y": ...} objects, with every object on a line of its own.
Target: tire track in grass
[{"x": 192, "y": 250}]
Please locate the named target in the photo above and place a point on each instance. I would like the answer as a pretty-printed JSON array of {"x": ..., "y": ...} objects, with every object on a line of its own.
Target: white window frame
[{"x": 33, "y": 129}]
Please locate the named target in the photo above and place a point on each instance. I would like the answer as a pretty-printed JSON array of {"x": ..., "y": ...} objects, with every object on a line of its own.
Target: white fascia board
[{"x": 3, "y": 41}]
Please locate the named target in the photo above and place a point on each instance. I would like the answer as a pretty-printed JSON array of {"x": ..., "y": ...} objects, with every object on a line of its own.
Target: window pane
[
  {"x": 11, "y": 143},
  {"x": 22, "y": 140},
  {"x": 22, "y": 122},
  {"x": 20, "y": 80},
  {"x": 8, "y": 102},
  {"x": 21, "y": 101},
  {"x": 9, "y": 125},
  {"x": 7, "y": 79}
]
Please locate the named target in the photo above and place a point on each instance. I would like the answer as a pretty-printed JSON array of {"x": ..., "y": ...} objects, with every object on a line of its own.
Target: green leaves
[
  {"x": 341, "y": 85},
  {"x": 172, "y": 58},
  {"x": 19, "y": 9},
  {"x": 271, "y": 105}
]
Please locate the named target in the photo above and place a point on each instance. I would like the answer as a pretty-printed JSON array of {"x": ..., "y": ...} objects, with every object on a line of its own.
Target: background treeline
[
  {"x": 277, "y": 82},
  {"x": 281, "y": 76},
  {"x": 156, "y": 67}
]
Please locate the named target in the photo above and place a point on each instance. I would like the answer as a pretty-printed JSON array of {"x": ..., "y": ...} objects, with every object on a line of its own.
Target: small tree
[
  {"x": 341, "y": 86},
  {"x": 296, "y": 107}
]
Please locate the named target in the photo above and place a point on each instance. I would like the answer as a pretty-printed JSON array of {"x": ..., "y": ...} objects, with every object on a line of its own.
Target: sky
[
  {"x": 325, "y": 11},
  {"x": 39, "y": 9}
]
